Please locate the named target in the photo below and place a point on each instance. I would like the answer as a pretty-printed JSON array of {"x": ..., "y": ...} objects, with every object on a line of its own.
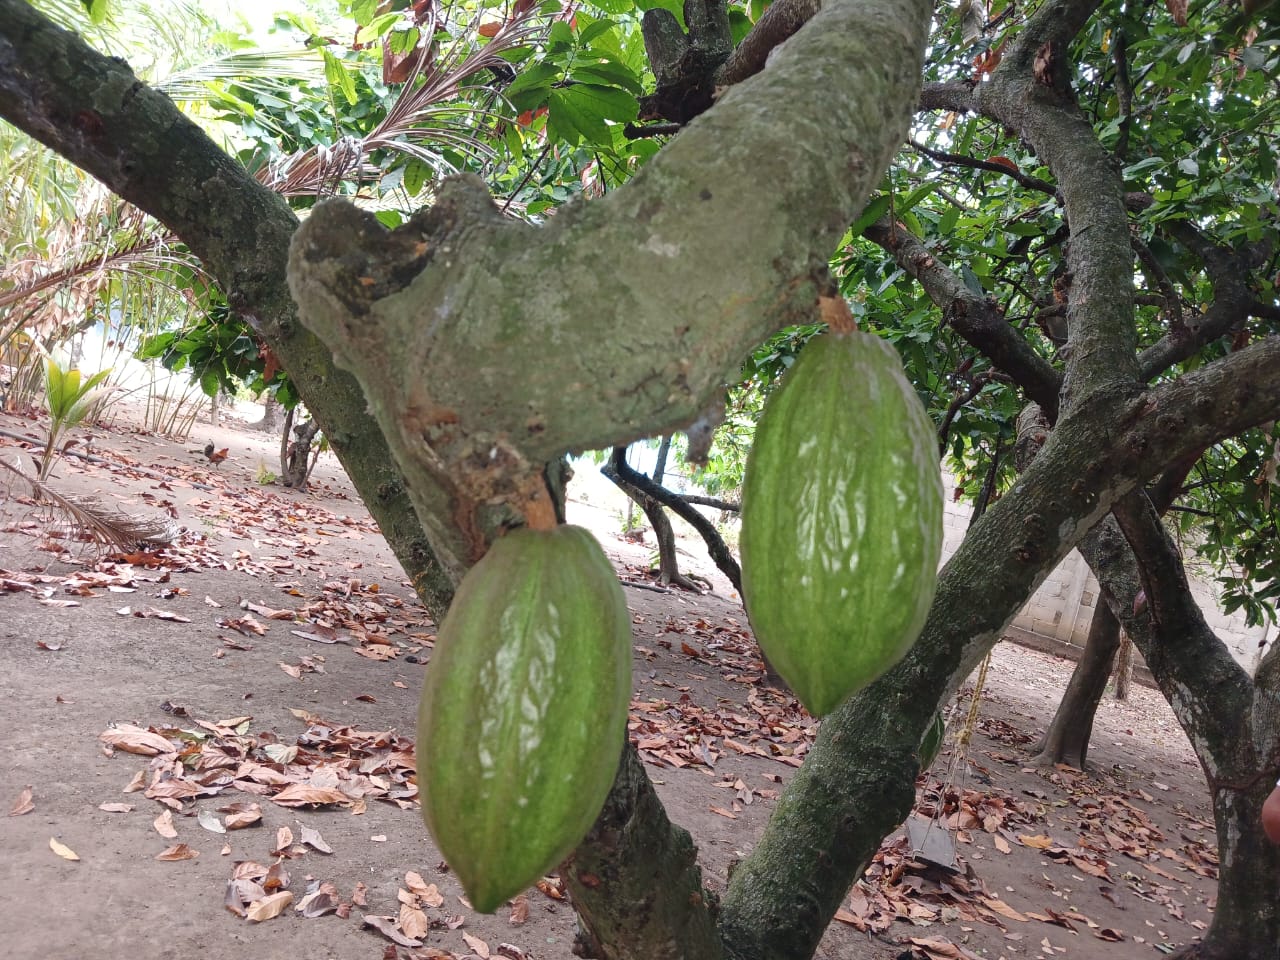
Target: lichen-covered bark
[
  {"x": 688, "y": 272},
  {"x": 650, "y": 908},
  {"x": 96, "y": 113}
]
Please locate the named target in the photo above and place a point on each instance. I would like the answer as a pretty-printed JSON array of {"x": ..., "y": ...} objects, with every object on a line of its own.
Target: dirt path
[{"x": 310, "y": 717}]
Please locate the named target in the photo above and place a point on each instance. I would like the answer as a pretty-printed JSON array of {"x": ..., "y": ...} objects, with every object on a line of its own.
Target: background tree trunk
[
  {"x": 1124, "y": 667},
  {"x": 298, "y": 458},
  {"x": 270, "y": 422},
  {"x": 668, "y": 561},
  {"x": 1067, "y": 739}
]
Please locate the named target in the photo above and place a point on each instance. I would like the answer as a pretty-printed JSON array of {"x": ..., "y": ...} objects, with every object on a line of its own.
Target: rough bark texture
[
  {"x": 1067, "y": 739},
  {"x": 630, "y": 908},
  {"x": 1124, "y": 667},
  {"x": 96, "y": 113}
]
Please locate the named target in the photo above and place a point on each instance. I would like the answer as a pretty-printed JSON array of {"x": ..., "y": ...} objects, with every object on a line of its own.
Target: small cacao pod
[
  {"x": 524, "y": 710},
  {"x": 841, "y": 519}
]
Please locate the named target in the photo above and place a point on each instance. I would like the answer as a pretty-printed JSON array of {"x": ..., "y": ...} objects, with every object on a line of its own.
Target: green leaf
[
  {"x": 336, "y": 73},
  {"x": 377, "y": 27},
  {"x": 872, "y": 212}
]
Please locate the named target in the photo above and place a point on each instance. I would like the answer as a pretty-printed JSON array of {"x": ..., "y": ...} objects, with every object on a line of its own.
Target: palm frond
[
  {"x": 104, "y": 525},
  {"x": 253, "y": 69}
]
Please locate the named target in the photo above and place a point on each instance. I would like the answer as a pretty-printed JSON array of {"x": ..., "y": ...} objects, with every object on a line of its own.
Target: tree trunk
[
  {"x": 215, "y": 411},
  {"x": 1246, "y": 920},
  {"x": 270, "y": 422},
  {"x": 1124, "y": 667},
  {"x": 298, "y": 459},
  {"x": 1067, "y": 739}
]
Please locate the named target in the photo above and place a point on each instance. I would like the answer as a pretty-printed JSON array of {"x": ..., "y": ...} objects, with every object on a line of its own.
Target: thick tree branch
[
  {"x": 650, "y": 907},
  {"x": 459, "y": 289},
  {"x": 782, "y": 19},
  {"x": 1030, "y": 93},
  {"x": 1146, "y": 587},
  {"x": 97, "y": 114},
  {"x": 977, "y": 319}
]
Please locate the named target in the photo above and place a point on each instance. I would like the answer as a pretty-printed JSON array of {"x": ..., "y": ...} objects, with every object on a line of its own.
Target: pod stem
[
  {"x": 539, "y": 511},
  {"x": 836, "y": 314}
]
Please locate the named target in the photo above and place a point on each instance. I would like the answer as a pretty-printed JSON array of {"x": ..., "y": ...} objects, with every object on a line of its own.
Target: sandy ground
[{"x": 1115, "y": 862}]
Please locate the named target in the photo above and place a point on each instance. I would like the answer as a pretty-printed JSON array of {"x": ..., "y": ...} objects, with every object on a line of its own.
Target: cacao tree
[{"x": 1119, "y": 281}]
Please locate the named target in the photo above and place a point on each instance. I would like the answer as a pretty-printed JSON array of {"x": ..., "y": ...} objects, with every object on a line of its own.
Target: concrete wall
[{"x": 1063, "y": 606}]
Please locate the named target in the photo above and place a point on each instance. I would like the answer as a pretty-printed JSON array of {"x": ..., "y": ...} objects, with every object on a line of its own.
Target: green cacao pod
[
  {"x": 524, "y": 710},
  {"x": 841, "y": 519}
]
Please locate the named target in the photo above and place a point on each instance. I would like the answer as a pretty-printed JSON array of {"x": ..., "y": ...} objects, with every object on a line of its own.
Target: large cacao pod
[
  {"x": 841, "y": 519},
  {"x": 524, "y": 710}
]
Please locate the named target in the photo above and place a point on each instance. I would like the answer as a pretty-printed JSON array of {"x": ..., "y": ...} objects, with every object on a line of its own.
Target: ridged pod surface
[
  {"x": 841, "y": 519},
  {"x": 524, "y": 710}
]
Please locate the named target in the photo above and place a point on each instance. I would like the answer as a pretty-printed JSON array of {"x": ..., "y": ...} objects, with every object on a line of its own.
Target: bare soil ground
[{"x": 226, "y": 727}]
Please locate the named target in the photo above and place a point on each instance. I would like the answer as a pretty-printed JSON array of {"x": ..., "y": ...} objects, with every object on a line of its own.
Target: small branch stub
[{"x": 836, "y": 314}]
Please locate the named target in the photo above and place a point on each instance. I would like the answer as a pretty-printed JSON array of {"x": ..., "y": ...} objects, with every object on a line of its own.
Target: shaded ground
[{"x": 311, "y": 717}]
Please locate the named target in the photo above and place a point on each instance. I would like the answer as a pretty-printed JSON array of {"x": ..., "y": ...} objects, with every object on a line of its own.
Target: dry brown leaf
[
  {"x": 164, "y": 825},
  {"x": 301, "y": 794},
  {"x": 386, "y": 927},
  {"x": 1001, "y": 844},
  {"x": 268, "y": 907},
  {"x": 478, "y": 946},
  {"x": 1177, "y": 10},
  {"x": 413, "y": 922},
  {"x": 116, "y": 807},
  {"x": 313, "y": 839},
  {"x": 1036, "y": 841},
  {"x": 359, "y": 894},
  {"x": 1002, "y": 908},
  {"x": 131, "y": 739},
  {"x": 284, "y": 840},
  {"x": 179, "y": 851},
  {"x": 153, "y": 613},
  {"x": 23, "y": 804},
  {"x": 291, "y": 670},
  {"x": 724, "y": 813},
  {"x": 62, "y": 850},
  {"x": 519, "y": 910},
  {"x": 512, "y": 952},
  {"x": 139, "y": 782},
  {"x": 241, "y": 815}
]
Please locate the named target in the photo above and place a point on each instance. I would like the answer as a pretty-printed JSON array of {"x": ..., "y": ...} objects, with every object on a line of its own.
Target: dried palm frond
[{"x": 105, "y": 525}]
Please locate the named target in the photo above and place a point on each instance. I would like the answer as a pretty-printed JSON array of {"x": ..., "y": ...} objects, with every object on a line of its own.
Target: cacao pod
[
  {"x": 841, "y": 519},
  {"x": 524, "y": 710}
]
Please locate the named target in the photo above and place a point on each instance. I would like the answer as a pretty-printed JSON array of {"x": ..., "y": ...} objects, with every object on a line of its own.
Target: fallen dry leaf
[
  {"x": 210, "y": 822},
  {"x": 519, "y": 910},
  {"x": 131, "y": 739},
  {"x": 164, "y": 825},
  {"x": 241, "y": 815},
  {"x": 139, "y": 782},
  {"x": 1002, "y": 908},
  {"x": 284, "y": 840},
  {"x": 386, "y": 927},
  {"x": 1035, "y": 841},
  {"x": 413, "y": 922},
  {"x": 478, "y": 946},
  {"x": 179, "y": 851},
  {"x": 65, "y": 852},
  {"x": 116, "y": 807},
  {"x": 268, "y": 907},
  {"x": 313, "y": 839},
  {"x": 23, "y": 804}
]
